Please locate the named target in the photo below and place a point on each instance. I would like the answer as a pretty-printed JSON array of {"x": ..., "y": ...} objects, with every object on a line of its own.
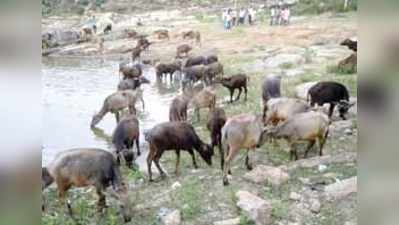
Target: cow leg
[
  {"x": 310, "y": 145},
  {"x": 193, "y": 157},
  {"x": 62, "y": 190},
  {"x": 231, "y": 95},
  {"x": 101, "y": 204},
  {"x": 150, "y": 158},
  {"x": 197, "y": 110},
  {"x": 239, "y": 94},
  {"x": 246, "y": 92},
  {"x": 138, "y": 146},
  {"x": 322, "y": 141},
  {"x": 156, "y": 160},
  {"x": 331, "y": 111},
  {"x": 117, "y": 116},
  {"x": 132, "y": 109},
  {"x": 247, "y": 163},
  {"x": 177, "y": 162},
  {"x": 293, "y": 152},
  {"x": 229, "y": 158},
  {"x": 221, "y": 153},
  {"x": 142, "y": 101}
]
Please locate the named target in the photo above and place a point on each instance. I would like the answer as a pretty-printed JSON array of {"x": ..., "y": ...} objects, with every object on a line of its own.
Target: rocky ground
[{"x": 317, "y": 190}]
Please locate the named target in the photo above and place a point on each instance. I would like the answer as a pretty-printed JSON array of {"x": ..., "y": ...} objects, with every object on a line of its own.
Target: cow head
[{"x": 343, "y": 107}]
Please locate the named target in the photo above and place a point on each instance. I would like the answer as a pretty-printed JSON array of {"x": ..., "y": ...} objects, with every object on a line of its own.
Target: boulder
[
  {"x": 295, "y": 196},
  {"x": 341, "y": 189},
  {"x": 273, "y": 175},
  {"x": 284, "y": 59},
  {"x": 315, "y": 205},
  {"x": 235, "y": 221},
  {"x": 60, "y": 37},
  {"x": 257, "y": 209},
  {"x": 173, "y": 218}
]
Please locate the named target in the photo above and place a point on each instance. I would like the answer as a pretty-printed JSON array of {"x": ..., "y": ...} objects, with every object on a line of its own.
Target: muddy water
[{"x": 74, "y": 89}]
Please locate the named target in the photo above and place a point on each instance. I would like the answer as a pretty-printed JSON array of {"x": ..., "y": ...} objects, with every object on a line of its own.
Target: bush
[{"x": 321, "y": 6}]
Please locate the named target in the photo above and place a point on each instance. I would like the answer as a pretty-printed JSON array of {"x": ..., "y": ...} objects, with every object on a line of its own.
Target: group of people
[
  {"x": 236, "y": 17},
  {"x": 279, "y": 15}
]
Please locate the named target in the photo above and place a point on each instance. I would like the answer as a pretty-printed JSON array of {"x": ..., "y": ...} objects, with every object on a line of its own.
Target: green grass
[
  {"x": 190, "y": 198},
  {"x": 244, "y": 220},
  {"x": 287, "y": 66},
  {"x": 344, "y": 70}
]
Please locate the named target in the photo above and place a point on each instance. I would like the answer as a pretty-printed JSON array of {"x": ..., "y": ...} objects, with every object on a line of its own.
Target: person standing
[
  {"x": 273, "y": 15},
  {"x": 229, "y": 20},
  {"x": 251, "y": 15},
  {"x": 242, "y": 14},
  {"x": 234, "y": 17}
]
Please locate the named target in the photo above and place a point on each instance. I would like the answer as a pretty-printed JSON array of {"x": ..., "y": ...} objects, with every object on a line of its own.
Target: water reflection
[{"x": 75, "y": 88}]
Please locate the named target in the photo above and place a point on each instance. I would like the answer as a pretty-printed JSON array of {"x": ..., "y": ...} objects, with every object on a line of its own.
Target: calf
[
  {"x": 136, "y": 52},
  {"x": 216, "y": 120},
  {"x": 234, "y": 82},
  {"x": 309, "y": 126},
  {"x": 183, "y": 49},
  {"x": 211, "y": 59},
  {"x": 192, "y": 35},
  {"x": 333, "y": 93},
  {"x": 130, "y": 33},
  {"x": 108, "y": 28},
  {"x": 351, "y": 44},
  {"x": 167, "y": 68},
  {"x": 195, "y": 60},
  {"x": 87, "y": 167},
  {"x": 130, "y": 71},
  {"x": 175, "y": 136},
  {"x": 162, "y": 34},
  {"x": 281, "y": 109},
  {"x": 117, "y": 102},
  {"x": 192, "y": 74},
  {"x": 178, "y": 108},
  {"x": 143, "y": 43},
  {"x": 132, "y": 83},
  {"x": 271, "y": 88},
  {"x": 241, "y": 131},
  {"x": 204, "y": 99},
  {"x": 212, "y": 71},
  {"x": 125, "y": 134}
]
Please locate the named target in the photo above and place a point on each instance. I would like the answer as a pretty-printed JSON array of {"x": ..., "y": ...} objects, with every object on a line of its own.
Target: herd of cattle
[{"x": 292, "y": 119}]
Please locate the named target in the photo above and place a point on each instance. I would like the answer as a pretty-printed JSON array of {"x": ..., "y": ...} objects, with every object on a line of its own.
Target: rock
[
  {"x": 348, "y": 131},
  {"x": 284, "y": 59},
  {"x": 61, "y": 37},
  {"x": 293, "y": 72},
  {"x": 341, "y": 125},
  {"x": 235, "y": 221},
  {"x": 322, "y": 168},
  {"x": 295, "y": 196},
  {"x": 353, "y": 110},
  {"x": 173, "y": 218},
  {"x": 176, "y": 185},
  {"x": 301, "y": 90},
  {"x": 315, "y": 205},
  {"x": 257, "y": 209},
  {"x": 261, "y": 173},
  {"x": 339, "y": 190}
]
